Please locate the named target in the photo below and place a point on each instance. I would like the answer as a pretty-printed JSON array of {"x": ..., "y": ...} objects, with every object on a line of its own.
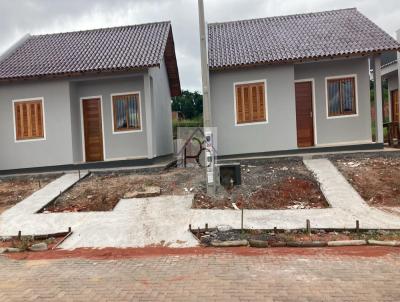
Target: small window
[
  {"x": 126, "y": 110},
  {"x": 341, "y": 97},
  {"x": 29, "y": 120},
  {"x": 250, "y": 103}
]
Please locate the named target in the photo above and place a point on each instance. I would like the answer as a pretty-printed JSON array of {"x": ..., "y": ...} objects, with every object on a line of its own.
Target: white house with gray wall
[
  {"x": 295, "y": 83},
  {"x": 90, "y": 96}
]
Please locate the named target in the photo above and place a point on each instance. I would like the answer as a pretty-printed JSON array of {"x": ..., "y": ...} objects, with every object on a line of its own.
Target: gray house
[
  {"x": 391, "y": 72},
  {"x": 295, "y": 83},
  {"x": 88, "y": 96}
]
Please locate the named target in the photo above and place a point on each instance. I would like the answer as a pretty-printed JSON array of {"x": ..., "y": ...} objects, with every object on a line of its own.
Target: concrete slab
[{"x": 164, "y": 220}]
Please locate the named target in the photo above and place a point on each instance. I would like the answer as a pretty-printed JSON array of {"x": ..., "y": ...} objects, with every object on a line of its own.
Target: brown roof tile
[{"x": 295, "y": 37}]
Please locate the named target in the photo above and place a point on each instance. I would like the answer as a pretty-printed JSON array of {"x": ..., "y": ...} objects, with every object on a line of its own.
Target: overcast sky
[{"x": 47, "y": 16}]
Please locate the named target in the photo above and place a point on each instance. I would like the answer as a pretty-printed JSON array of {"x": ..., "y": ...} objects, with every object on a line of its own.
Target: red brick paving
[{"x": 362, "y": 274}]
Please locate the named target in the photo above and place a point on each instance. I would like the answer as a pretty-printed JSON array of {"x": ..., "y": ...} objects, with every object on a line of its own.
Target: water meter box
[{"x": 230, "y": 174}]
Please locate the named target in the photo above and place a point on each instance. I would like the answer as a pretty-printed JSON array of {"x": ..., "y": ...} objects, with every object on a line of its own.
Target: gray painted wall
[
  {"x": 350, "y": 129},
  {"x": 62, "y": 105},
  {"x": 57, "y": 148},
  {"x": 117, "y": 146},
  {"x": 393, "y": 83},
  {"x": 162, "y": 115},
  {"x": 280, "y": 131}
]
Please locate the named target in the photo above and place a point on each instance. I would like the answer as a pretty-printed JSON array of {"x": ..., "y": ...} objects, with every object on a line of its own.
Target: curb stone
[
  {"x": 258, "y": 243},
  {"x": 232, "y": 243},
  {"x": 347, "y": 243},
  {"x": 307, "y": 244},
  {"x": 384, "y": 243}
]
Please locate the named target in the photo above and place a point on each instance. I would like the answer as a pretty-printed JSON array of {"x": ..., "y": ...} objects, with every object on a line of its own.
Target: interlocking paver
[{"x": 214, "y": 277}]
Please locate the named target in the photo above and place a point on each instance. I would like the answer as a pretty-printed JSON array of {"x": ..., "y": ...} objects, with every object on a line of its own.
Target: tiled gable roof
[
  {"x": 295, "y": 37},
  {"x": 109, "y": 49}
]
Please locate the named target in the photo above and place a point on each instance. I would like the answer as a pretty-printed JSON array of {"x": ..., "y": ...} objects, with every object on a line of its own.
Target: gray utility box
[{"x": 230, "y": 174}]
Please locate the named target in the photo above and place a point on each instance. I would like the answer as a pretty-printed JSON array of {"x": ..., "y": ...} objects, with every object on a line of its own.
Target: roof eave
[
  {"x": 302, "y": 60},
  {"x": 65, "y": 75}
]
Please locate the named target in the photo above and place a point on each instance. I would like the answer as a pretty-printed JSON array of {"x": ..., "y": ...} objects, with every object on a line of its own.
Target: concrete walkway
[{"x": 164, "y": 220}]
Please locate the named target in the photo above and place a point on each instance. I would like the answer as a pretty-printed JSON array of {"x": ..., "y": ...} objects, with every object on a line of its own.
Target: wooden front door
[
  {"x": 394, "y": 96},
  {"x": 304, "y": 114},
  {"x": 93, "y": 129}
]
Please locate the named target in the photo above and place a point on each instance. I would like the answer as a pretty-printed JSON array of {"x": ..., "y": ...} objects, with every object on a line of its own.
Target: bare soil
[
  {"x": 102, "y": 192},
  {"x": 278, "y": 184},
  {"x": 376, "y": 178},
  {"x": 25, "y": 242},
  {"x": 15, "y": 189},
  {"x": 150, "y": 252},
  {"x": 295, "y": 235},
  {"x": 272, "y": 184}
]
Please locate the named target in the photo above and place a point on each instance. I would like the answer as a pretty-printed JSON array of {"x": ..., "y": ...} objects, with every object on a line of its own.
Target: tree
[{"x": 190, "y": 104}]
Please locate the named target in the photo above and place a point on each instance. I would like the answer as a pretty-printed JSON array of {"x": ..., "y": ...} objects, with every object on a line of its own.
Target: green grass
[{"x": 194, "y": 122}]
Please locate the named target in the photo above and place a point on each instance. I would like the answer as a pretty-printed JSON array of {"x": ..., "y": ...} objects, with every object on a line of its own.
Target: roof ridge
[
  {"x": 100, "y": 29},
  {"x": 284, "y": 16}
]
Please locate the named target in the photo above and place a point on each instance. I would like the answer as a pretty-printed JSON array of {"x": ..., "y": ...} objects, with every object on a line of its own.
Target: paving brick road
[{"x": 212, "y": 277}]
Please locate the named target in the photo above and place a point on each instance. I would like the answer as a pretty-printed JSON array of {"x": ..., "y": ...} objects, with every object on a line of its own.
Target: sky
[{"x": 20, "y": 17}]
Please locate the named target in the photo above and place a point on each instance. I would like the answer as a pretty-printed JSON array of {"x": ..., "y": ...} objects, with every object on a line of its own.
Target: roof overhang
[{"x": 303, "y": 60}]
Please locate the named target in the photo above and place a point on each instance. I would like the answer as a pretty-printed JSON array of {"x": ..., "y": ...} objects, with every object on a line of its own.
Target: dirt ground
[
  {"x": 102, "y": 192},
  {"x": 271, "y": 184},
  {"x": 151, "y": 252},
  {"x": 15, "y": 189},
  {"x": 294, "y": 235},
  {"x": 376, "y": 178},
  {"x": 278, "y": 184},
  {"x": 27, "y": 241}
]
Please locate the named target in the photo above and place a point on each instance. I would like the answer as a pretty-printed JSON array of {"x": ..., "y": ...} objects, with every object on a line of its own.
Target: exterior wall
[
  {"x": 393, "y": 84},
  {"x": 117, "y": 146},
  {"x": 57, "y": 148},
  {"x": 279, "y": 133},
  {"x": 343, "y": 130},
  {"x": 162, "y": 114}
]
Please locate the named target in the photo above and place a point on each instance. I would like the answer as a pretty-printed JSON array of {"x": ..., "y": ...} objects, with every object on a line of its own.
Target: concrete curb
[
  {"x": 306, "y": 244},
  {"x": 347, "y": 243},
  {"x": 233, "y": 243},
  {"x": 258, "y": 243},
  {"x": 384, "y": 243}
]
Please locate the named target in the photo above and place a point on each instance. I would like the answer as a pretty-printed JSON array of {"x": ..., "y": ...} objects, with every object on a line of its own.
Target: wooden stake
[
  {"x": 357, "y": 226},
  {"x": 308, "y": 226},
  {"x": 19, "y": 235},
  {"x": 275, "y": 230},
  {"x": 242, "y": 220},
  {"x": 206, "y": 226},
  {"x": 190, "y": 227}
]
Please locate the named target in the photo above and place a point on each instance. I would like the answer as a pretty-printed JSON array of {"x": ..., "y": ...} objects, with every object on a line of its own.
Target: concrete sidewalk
[{"x": 164, "y": 220}]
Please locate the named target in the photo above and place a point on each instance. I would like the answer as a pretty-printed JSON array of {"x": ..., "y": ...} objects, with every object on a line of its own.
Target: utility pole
[{"x": 210, "y": 153}]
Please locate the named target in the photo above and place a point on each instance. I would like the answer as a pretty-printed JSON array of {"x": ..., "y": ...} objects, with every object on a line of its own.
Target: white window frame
[
  {"x": 112, "y": 113},
  {"x": 265, "y": 102},
  {"x": 312, "y": 80},
  {"x": 326, "y": 95},
  {"x": 83, "y": 126},
  {"x": 44, "y": 120}
]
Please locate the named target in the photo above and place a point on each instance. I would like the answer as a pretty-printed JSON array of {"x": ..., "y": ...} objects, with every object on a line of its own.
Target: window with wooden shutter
[
  {"x": 250, "y": 103},
  {"x": 29, "y": 120}
]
